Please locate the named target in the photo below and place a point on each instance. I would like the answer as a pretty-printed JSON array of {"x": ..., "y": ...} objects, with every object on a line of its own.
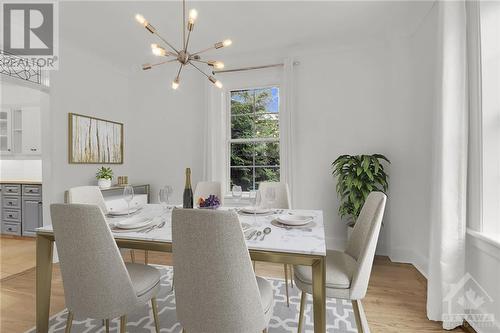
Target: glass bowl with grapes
[{"x": 211, "y": 202}]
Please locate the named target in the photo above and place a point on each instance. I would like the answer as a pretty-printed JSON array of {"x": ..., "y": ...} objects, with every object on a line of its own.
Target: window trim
[{"x": 227, "y": 132}]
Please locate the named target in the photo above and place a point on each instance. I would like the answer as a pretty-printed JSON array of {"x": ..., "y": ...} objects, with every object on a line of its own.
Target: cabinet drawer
[
  {"x": 11, "y": 228},
  {"x": 12, "y": 202},
  {"x": 32, "y": 190},
  {"x": 11, "y": 189},
  {"x": 11, "y": 215}
]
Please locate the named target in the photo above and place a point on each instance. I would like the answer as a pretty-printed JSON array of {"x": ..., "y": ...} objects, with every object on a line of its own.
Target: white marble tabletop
[{"x": 307, "y": 240}]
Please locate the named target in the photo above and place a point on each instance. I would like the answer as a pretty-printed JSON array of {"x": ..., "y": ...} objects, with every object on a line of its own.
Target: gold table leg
[
  {"x": 319, "y": 299},
  {"x": 44, "y": 247}
]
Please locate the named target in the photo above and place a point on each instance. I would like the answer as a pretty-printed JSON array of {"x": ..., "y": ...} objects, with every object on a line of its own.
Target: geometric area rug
[{"x": 339, "y": 313}]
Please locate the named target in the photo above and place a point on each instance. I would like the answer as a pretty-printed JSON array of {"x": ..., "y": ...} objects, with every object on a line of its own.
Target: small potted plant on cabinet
[
  {"x": 104, "y": 176},
  {"x": 357, "y": 176}
]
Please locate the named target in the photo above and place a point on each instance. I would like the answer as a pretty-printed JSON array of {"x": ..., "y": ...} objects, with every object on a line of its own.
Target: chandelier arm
[
  {"x": 166, "y": 42},
  {"x": 187, "y": 41},
  {"x": 163, "y": 62},
  {"x": 199, "y": 60},
  {"x": 179, "y": 71},
  {"x": 184, "y": 24},
  {"x": 202, "y": 72},
  {"x": 204, "y": 50}
]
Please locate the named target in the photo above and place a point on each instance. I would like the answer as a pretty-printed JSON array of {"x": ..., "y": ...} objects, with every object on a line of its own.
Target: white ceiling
[{"x": 108, "y": 28}]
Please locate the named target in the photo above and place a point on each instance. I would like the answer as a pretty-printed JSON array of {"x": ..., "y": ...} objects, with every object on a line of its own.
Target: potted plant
[
  {"x": 104, "y": 176},
  {"x": 357, "y": 176}
]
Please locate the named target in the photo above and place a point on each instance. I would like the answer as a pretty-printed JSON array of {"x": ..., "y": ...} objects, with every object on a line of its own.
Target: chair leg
[
  {"x": 357, "y": 315},
  {"x": 69, "y": 322},
  {"x": 107, "y": 325},
  {"x": 291, "y": 275},
  {"x": 123, "y": 324},
  {"x": 146, "y": 257},
  {"x": 286, "y": 285},
  {"x": 154, "y": 305},
  {"x": 303, "y": 297},
  {"x": 132, "y": 256},
  {"x": 253, "y": 265},
  {"x": 172, "y": 289}
]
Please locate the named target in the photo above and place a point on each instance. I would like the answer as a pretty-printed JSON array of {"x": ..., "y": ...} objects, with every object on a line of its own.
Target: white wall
[
  {"x": 166, "y": 129},
  {"x": 88, "y": 85}
]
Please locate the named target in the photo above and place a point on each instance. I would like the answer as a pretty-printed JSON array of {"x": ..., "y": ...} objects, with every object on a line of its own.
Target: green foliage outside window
[{"x": 254, "y": 115}]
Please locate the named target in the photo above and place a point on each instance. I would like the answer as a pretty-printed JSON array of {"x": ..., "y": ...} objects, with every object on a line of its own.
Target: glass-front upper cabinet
[{"x": 5, "y": 131}]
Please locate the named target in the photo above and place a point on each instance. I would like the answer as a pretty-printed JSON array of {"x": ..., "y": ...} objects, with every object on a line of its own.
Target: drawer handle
[{"x": 10, "y": 215}]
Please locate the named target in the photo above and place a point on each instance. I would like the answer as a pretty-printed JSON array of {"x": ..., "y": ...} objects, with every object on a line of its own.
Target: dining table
[{"x": 304, "y": 245}]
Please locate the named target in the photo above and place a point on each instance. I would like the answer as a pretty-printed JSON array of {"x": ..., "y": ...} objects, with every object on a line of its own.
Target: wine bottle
[{"x": 187, "y": 201}]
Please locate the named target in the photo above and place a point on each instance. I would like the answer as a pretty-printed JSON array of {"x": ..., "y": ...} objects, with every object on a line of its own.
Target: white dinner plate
[
  {"x": 255, "y": 210},
  {"x": 294, "y": 219},
  {"x": 134, "y": 223},
  {"x": 124, "y": 211}
]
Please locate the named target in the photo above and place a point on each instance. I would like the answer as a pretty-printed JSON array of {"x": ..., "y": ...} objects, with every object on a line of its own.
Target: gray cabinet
[
  {"x": 32, "y": 215},
  {"x": 21, "y": 209}
]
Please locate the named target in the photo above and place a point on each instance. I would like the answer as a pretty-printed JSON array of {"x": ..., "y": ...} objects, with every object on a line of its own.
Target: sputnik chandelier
[{"x": 182, "y": 55}]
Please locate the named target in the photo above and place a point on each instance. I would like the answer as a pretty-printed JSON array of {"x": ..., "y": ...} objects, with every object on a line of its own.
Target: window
[{"x": 254, "y": 137}]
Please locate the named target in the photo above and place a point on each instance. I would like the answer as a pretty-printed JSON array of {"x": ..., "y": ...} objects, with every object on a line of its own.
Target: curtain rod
[{"x": 250, "y": 68}]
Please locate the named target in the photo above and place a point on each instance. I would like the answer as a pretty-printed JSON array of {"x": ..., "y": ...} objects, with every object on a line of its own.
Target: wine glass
[
  {"x": 237, "y": 193},
  {"x": 164, "y": 196},
  {"x": 270, "y": 196},
  {"x": 169, "y": 190},
  {"x": 128, "y": 196},
  {"x": 252, "y": 196}
]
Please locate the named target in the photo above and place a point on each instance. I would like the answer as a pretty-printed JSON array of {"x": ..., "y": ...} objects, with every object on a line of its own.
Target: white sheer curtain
[{"x": 448, "y": 207}]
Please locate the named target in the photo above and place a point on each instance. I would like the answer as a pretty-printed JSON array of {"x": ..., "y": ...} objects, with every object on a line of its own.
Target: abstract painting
[{"x": 94, "y": 141}]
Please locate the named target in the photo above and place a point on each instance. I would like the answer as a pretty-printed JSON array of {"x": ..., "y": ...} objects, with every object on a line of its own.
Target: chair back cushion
[
  {"x": 91, "y": 195},
  {"x": 215, "y": 286},
  {"x": 96, "y": 282},
  {"x": 204, "y": 189},
  {"x": 282, "y": 195},
  {"x": 363, "y": 241}
]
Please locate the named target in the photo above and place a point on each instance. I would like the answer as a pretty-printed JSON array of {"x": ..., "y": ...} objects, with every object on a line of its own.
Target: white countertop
[
  {"x": 308, "y": 240},
  {"x": 21, "y": 181}
]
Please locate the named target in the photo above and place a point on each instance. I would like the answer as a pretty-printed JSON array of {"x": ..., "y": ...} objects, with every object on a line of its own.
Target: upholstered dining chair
[
  {"x": 91, "y": 195},
  {"x": 216, "y": 290},
  {"x": 97, "y": 283},
  {"x": 205, "y": 188},
  {"x": 348, "y": 272},
  {"x": 282, "y": 201}
]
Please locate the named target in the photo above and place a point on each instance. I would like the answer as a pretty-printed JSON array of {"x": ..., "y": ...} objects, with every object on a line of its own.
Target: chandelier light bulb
[
  {"x": 141, "y": 20},
  {"x": 175, "y": 84},
  {"x": 218, "y": 84},
  {"x": 158, "y": 50},
  {"x": 216, "y": 64},
  {"x": 193, "y": 15},
  {"x": 227, "y": 42},
  {"x": 219, "y": 65}
]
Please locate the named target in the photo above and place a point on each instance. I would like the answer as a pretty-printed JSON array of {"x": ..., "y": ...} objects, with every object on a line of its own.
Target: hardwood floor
[{"x": 395, "y": 301}]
